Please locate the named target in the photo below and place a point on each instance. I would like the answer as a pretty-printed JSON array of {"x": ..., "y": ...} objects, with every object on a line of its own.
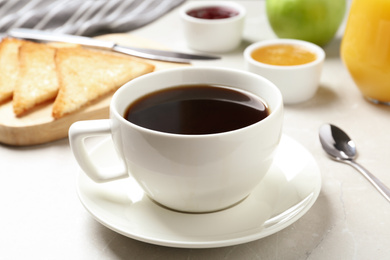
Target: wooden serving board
[{"x": 39, "y": 126}]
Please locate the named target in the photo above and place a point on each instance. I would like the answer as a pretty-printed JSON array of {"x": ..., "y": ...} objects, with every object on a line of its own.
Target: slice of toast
[
  {"x": 37, "y": 81},
  {"x": 86, "y": 75},
  {"x": 9, "y": 67}
]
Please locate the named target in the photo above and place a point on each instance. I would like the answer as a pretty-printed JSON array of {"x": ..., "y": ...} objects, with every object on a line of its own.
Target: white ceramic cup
[
  {"x": 297, "y": 83},
  {"x": 217, "y": 35},
  {"x": 190, "y": 173}
]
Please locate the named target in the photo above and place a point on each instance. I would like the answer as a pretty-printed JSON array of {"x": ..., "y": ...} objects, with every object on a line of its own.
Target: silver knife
[{"x": 152, "y": 54}]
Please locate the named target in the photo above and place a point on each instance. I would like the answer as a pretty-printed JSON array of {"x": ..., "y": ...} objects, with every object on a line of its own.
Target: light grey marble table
[{"x": 42, "y": 218}]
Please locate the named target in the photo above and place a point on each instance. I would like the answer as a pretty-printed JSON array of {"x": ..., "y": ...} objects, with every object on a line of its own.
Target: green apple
[{"x": 316, "y": 21}]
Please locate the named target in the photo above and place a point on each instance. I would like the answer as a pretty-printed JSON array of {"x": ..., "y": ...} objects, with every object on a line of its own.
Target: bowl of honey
[{"x": 294, "y": 66}]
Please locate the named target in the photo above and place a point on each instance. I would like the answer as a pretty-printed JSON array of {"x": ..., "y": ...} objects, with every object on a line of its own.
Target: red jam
[{"x": 213, "y": 12}]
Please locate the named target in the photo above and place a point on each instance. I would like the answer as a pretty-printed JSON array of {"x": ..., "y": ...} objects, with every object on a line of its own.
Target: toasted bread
[
  {"x": 37, "y": 81},
  {"x": 85, "y": 75},
  {"x": 9, "y": 67}
]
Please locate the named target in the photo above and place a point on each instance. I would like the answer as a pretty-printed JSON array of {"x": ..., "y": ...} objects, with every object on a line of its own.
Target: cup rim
[
  {"x": 273, "y": 112},
  {"x": 194, "y": 5},
  {"x": 320, "y": 53}
]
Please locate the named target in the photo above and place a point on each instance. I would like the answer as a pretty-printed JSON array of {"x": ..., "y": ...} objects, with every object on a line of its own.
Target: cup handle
[{"x": 81, "y": 130}]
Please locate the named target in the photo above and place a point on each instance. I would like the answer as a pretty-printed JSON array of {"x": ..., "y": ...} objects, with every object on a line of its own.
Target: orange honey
[{"x": 283, "y": 55}]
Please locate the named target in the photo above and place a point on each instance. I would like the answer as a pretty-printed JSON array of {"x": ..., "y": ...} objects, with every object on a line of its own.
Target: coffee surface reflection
[{"x": 196, "y": 110}]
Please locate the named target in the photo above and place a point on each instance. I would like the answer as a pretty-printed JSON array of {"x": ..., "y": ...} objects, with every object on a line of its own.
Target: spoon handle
[{"x": 385, "y": 191}]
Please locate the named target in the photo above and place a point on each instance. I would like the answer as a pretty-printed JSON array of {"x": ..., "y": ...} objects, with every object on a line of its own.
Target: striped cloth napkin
[{"x": 82, "y": 17}]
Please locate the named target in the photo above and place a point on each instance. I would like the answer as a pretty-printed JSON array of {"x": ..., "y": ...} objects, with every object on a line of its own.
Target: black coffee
[{"x": 196, "y": 109}]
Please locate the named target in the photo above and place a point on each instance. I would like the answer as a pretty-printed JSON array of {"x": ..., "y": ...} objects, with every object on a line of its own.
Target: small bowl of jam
[
  {"x": 294, "y": 66},
  {"x": 213, "y": 26}
]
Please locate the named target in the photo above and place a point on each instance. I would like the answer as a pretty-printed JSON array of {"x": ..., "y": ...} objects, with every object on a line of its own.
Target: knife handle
[{"x": 48, "y": 36}]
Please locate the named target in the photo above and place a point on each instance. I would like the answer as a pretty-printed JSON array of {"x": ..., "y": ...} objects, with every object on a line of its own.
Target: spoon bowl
[
  {"x": 340, "y": 147},
  {"x": 337, "y": 143}
]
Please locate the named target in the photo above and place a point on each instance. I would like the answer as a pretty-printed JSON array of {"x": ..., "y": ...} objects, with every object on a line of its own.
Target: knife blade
[{"x": 152, "y": 54}]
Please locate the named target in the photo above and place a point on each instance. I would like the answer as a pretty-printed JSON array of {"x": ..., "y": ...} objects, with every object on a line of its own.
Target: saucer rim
[{"x": 301, "y": 210}]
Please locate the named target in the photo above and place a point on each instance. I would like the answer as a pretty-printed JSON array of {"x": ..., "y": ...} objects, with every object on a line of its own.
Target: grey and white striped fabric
[{"x": 82, "y": 17}]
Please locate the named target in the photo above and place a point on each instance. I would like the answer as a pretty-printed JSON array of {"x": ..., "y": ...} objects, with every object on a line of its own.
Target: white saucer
[{"x": 287, "y": 192}]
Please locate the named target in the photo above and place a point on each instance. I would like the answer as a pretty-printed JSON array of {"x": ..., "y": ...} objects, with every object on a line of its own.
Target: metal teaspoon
[{"x": 342, "y": 149}]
